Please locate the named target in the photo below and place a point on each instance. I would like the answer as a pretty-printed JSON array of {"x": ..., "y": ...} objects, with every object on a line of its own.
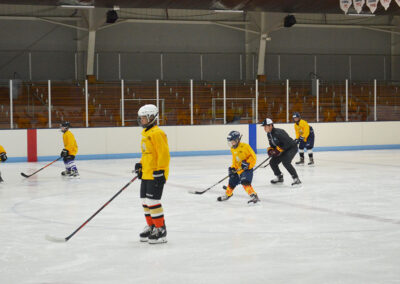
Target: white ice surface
[{"x": 343, "y": 226}]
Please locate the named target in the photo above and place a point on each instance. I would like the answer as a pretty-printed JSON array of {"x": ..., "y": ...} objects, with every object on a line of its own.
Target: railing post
[
  {"x": 86, "y": 103},
  {"x": 224, "y": 101},
  {"x": 287, "y": 100},
  {"x": 317, "y": 92},
  {"x": 347, "y": 99},
  {"x": 191, "y": 101},
  {"x": 375, "y": 94},
  {"x": 122, "y": 103},
  {"x": 256, "y": 114},
  {"x": 157, "y": 100},
  {"x": 11, "y": 105},
  {"x": 49, "y": 99}
]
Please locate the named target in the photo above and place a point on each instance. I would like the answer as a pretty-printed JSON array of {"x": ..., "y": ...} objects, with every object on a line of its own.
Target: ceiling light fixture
[
  {"x": 228, "y": 11},
  {"x": 77, "y": 6},
  {"x": 361, "y": 15}
]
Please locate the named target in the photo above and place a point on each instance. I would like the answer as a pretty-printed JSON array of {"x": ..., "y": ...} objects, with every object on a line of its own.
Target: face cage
[
  {"x": 148, "y": 119},
  {"x": 230, "y": 144}
]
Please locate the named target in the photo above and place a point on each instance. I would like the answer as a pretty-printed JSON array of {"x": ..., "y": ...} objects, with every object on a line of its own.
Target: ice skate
[
  {"x": 144, "y": 236},
  {"x": 1, "y": 180},
  {"x": 223, "y": 197},
  {"x": 158, "y": 236},
  {"x": 296, "y": 182},
  {"x": 253, "y": 199},
  {"x": 66, "y": 173},
  {"x": 277, "y": 180},
  {"x": 301, "y": 162},
  {"x": 74, "y": 174},
  {"x": 311, "y": 162}
]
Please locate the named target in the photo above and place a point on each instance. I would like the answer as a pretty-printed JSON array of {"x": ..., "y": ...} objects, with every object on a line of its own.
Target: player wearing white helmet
[{"x": 153, "y": 170}]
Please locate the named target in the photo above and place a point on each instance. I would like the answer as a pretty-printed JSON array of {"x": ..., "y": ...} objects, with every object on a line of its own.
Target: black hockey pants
[{"x": 286, "y": 159}]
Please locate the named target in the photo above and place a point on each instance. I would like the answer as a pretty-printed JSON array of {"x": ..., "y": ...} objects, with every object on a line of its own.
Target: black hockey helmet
[
  {"x": 65, "y": 124},
  {"x": 296, "y": 115},
  {"x": 234, "y": 136}
]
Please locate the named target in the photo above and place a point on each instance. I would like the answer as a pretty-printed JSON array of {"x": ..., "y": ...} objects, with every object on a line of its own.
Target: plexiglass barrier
[{"x": 108, "y": 104}]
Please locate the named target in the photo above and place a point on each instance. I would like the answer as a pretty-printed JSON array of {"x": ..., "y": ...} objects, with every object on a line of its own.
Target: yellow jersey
[
  {"x": 243, "y": 152},
  {"x": 302, "y": 129},
  {"x": 155, "y": 152},
  {"x": 70, "y": 143},
  {"x": 2, "y": 150}
]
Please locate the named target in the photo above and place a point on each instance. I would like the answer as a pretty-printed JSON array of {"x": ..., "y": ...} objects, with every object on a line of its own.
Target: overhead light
[
  {"x": 361, "y": 15},
  {"x": 77, "y": 6},
  {"x": 228, "y": 11}
]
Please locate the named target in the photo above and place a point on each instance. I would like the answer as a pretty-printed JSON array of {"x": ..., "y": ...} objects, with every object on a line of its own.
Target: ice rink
[{"x": 342, "y": 226}]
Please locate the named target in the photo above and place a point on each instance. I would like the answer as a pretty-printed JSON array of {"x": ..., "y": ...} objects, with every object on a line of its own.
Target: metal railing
[{"x": 47, "y": 104}]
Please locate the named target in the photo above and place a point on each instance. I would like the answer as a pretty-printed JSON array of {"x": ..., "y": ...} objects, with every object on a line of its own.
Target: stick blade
[
  {"x": 55, "y": 239},
  {"x": 196, "y": 192},
  {"x": 24, "y": 175}
]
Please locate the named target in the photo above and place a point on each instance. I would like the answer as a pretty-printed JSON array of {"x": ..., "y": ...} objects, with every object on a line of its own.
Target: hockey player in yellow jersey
[
  {"x": 241, "y": 170},
  {"x": 69, "y": 152},
  {"x": 153, "y": 170},
  {"x": 304, "y": 138},
  {"x": 3, "y": 158}
]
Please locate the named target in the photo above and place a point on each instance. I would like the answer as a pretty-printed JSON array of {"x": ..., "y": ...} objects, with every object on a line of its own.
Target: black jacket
[{"x": 279, "y": 137}]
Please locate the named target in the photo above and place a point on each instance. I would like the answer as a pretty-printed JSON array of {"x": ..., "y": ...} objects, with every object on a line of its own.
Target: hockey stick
[
  {"x": 63, "y": 240},
  {"x": 26, "y": 176},
  {"x": 203, "y": 191}
]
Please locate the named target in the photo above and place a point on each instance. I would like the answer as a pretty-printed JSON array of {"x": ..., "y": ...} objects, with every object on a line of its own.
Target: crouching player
[
  {"x": 241, "y": 171},
  {"x": 153, "y": 170},
  {"x": 3, "y": 158}
]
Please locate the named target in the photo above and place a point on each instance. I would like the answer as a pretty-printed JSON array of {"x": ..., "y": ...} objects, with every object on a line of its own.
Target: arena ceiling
[{"x": 286, "y": 6}]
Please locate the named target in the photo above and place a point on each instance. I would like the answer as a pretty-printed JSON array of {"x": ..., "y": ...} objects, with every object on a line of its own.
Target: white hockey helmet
[{"x": 150, "y": 112}]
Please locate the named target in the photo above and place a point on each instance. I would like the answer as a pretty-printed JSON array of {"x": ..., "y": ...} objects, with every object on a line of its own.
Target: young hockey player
[
  {"x": 282, "y": 149},
  {"x": 304, "y": 137},
  {"x": 69, "y": 151},
  {"x": 153, "y": 170},
  {"x": 241, "y": 170},
  {"x": 3, "y": 158}
]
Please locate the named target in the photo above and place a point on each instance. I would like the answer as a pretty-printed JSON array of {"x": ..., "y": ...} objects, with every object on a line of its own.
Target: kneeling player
[
  {"x": 3, "y": 158},
  {"x": 241, "y": 171},
  {"x": 153, "y": 170}
]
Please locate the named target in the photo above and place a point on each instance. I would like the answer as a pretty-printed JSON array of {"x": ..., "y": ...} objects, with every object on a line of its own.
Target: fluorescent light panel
[
  {"x": 228, "y": 11},
  {"x": 77, "y": 6},
  {"x": 361, "y": 15}
]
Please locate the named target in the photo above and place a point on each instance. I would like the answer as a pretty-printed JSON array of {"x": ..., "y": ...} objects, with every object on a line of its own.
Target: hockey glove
[
  {"x": 245, "y": 165},
  {"x": 232, "y": 172},
  {"x": 64, "y": 153},
  {"x": 3, "y": 157},
  {"x": 159, "y": 178},
  {"x": 273, "y": 152},
  {"x": 138, "y": 170}
]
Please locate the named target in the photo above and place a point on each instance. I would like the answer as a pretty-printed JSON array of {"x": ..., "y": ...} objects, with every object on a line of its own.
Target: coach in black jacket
[{"x": 282, "y": 149}]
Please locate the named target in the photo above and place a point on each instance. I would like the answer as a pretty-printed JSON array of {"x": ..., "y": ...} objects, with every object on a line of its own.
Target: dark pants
[
  {"x": 310, "y": 142},
  {"x": 286, "y": 159},
  {"x": 148, "y": 189},
  {"x": 245, "y": 178}
]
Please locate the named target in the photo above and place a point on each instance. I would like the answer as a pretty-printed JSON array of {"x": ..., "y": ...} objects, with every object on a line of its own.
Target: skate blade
[
  {"x": 297, "y": 186},
  {"x": 159, "y": 241},
  {"x": 144, "y": 240}
]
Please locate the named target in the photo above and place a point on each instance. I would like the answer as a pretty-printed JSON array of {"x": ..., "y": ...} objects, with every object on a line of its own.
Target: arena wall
[{"x": 124, "y": 142}]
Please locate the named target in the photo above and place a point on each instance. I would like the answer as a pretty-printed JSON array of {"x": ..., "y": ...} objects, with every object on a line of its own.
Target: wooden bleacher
[{"x": 104, "y": 103}]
